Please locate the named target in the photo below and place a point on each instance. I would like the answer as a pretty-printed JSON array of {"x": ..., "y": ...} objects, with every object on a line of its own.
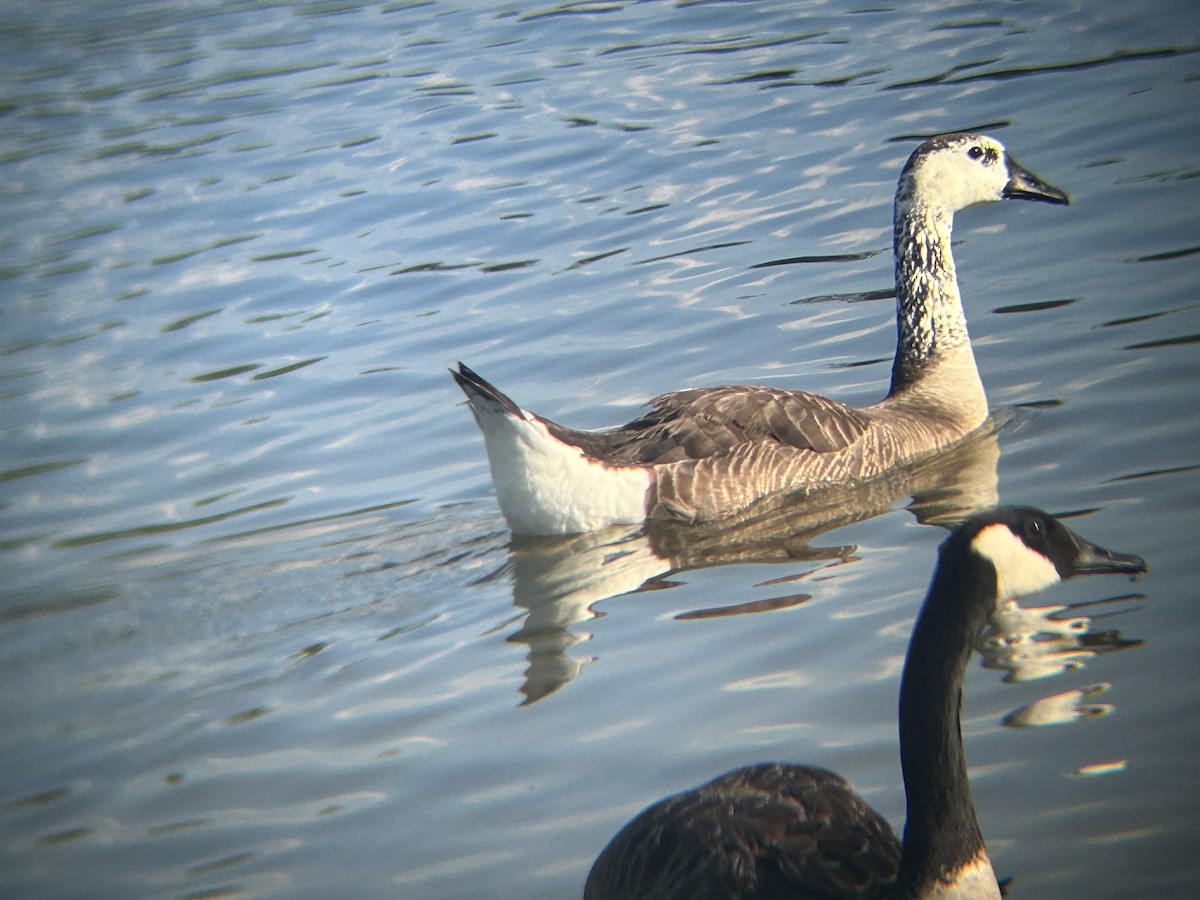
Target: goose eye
[
  {"x": 975, "y": 152},
  {"x": 1033, "y": 528}
]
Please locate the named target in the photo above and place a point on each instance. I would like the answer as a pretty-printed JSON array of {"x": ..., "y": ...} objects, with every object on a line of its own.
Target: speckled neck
[{"x": 929, "y": 312}]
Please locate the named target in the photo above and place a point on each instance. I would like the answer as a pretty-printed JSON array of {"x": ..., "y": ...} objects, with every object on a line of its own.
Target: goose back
[{"x": 778, "y": 825}]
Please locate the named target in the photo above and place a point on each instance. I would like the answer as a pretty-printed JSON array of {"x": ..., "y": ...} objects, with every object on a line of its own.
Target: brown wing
[
  {"x": 695, "y": 424},
  {"x": 764, "y": 831}
]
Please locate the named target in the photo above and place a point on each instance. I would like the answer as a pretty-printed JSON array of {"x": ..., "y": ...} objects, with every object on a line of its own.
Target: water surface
[{"x": 262, "y": 630}]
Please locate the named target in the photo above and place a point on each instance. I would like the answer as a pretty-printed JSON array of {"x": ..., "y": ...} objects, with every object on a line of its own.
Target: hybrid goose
[
  {"x": 781, "y": 830},
  {"x": 704, "y": 453}
]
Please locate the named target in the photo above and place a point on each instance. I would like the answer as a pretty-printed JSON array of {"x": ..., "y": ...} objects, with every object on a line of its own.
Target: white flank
[
  {"x": 1019, "y": 569},
  {"x": 547, "y": 487}
]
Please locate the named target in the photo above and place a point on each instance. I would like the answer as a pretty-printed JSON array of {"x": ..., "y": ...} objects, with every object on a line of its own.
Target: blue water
[{"x": 262, "y": 631}]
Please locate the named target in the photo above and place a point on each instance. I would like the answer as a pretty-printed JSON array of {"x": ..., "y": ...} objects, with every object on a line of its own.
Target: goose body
[
  {"x": 778, "y": 830},
  {"x": 700, "y": 454}
]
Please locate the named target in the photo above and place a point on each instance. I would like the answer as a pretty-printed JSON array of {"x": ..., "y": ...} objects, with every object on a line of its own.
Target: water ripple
[{"x": 258, "y": 603}]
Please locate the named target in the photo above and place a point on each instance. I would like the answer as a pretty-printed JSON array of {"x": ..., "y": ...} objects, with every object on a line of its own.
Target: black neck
[{"x": 940, "y": 831}]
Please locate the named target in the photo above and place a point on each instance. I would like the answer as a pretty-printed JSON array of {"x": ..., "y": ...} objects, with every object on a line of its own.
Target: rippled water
[{"x": 262, "y": 633}]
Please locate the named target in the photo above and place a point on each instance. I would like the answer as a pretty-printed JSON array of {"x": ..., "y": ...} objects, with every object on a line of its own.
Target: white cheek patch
[
  {"x": 1019, "y": 570},
  {"x": 958, "y": 182}
]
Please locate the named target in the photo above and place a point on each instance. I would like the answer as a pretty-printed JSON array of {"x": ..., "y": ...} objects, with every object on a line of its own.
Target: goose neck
[
  {"x": 942, "y": 840},
  {"x": 929, "y": 313}
]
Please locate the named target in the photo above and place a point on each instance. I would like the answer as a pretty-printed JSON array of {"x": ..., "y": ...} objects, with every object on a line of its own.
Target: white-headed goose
[
  {"x": 702, "y": 453},
  {"x": 777, "y": 830}
]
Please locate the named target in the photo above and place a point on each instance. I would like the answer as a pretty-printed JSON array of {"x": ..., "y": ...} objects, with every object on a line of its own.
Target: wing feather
[
  {"x": 764, "y": 831},
  {"x": 696, "y": 424}
]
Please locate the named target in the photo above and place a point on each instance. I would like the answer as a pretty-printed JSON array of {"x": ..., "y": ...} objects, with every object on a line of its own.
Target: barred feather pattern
[{"x": 810, "y": 439}]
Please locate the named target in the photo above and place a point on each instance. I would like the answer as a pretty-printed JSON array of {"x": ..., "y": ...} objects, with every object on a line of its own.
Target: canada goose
[
  {"x": 779, "y": 830},
  {"x": 702, "y": 453}
]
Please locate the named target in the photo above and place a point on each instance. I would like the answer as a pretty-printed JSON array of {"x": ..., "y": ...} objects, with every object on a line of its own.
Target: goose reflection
[
  {"x": 556, "y": 582},
  {"x": 1033, "y": 643},
  {"x": 1042, "y": 641},
  {"x": 1057, "y": 709}
]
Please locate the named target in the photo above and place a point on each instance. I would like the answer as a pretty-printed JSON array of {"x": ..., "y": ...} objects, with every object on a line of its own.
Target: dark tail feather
[{"x": 474, "y": 386}]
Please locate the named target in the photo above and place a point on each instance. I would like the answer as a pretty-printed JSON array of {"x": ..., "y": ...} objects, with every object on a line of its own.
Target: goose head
[
  {"x": 1030, "y": 550},
  {"x": 955, "y": 171}
]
